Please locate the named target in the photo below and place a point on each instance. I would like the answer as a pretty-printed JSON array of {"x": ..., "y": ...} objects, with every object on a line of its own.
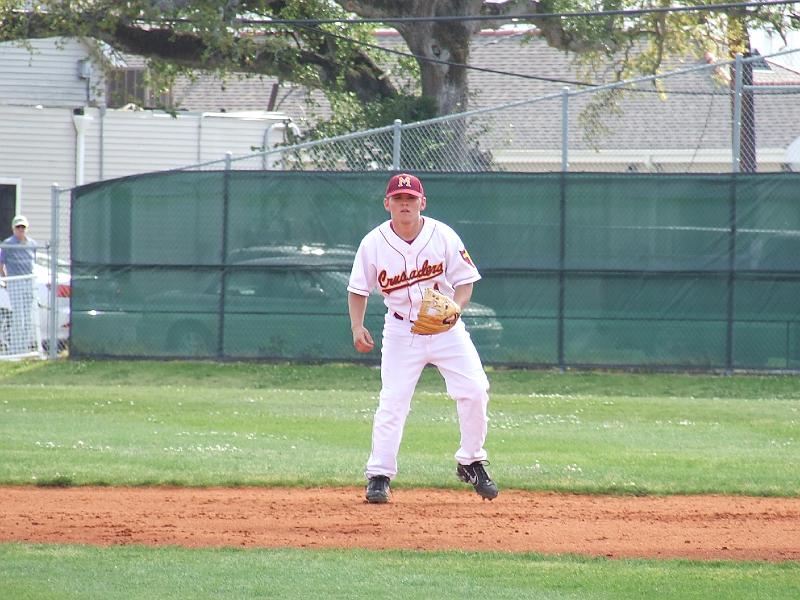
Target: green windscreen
[{"x": 578, "y": 269}]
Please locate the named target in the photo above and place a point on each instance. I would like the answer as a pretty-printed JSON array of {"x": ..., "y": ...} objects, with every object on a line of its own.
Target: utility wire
[
  {"x": 524, "y": 17},
  {"x": 494, "y": 71},
  {"x": 447, "y": 62},
  {"x": 313, "y": 23}
]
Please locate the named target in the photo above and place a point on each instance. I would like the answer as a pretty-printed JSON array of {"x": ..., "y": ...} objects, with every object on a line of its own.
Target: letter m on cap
[{"x": 404, "y": 182}]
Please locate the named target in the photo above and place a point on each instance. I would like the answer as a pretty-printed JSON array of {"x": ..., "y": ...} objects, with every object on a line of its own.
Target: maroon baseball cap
[{"x": 403, "y": 183}]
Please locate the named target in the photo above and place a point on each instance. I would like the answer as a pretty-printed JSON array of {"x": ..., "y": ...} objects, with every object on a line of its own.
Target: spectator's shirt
[{"x": 18, "y": 261}]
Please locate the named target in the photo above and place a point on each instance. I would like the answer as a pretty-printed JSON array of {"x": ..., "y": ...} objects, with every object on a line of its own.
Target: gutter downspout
[
  {"x": 265, "y": 143},
  {"x": 286, "y": 125},
  {"x": 81, "y": 123},
  {"x": 102, "y": 148},
  {"x": 200, "y": 137}
]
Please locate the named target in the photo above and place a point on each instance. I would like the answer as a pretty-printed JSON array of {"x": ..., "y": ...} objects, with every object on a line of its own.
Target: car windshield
[{"x": 43, "y": 260}]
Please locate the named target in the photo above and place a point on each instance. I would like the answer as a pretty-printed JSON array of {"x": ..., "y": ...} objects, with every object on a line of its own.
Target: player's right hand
[{"x": 362, "y": 340}]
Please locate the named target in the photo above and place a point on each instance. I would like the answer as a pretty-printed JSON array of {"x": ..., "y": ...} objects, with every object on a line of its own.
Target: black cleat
[
  {"x": 476, "y": 475},
  {"x": 378, "y": 489}
]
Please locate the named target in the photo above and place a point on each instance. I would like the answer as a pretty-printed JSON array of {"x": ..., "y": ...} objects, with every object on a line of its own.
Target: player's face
[{"x": 404, "y": 206}]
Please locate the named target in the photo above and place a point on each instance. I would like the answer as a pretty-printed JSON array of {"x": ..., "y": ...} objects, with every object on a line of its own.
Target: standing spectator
[{"x": 16, "y": 263}]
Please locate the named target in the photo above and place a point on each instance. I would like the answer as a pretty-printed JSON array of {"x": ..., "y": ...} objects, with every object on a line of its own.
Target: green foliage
[
  {"x": 641, "y": 44},
  {"x": 591, "y": 118},
  {"x": 366, "y": 87},
  {"x": 178, "y": 37},
  {"x": 350, "y": 115}
]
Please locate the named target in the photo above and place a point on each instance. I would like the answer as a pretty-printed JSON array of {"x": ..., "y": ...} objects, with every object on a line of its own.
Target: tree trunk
[
  {"x": 444, "y": 41},
  {"x": 447, "y": 42}
]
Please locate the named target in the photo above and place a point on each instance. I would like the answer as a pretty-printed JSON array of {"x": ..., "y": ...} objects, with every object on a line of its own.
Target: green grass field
[
  {"x": 202, "y": 424},
  {"x": 30, "y": 572}
]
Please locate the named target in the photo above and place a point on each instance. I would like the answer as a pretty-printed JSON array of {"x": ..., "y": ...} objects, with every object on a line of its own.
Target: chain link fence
[
  {"x": 579, "y": 269},
  {"x": 728, "y": 116},
  {"x": 709, "y": 118}
]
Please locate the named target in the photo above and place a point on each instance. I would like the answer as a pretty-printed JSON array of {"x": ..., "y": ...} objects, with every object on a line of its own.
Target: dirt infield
[{"x": 696, "y": 527}]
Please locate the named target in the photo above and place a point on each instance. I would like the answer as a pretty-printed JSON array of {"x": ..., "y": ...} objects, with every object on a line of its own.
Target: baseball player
[{"x": 402, "y": 257}]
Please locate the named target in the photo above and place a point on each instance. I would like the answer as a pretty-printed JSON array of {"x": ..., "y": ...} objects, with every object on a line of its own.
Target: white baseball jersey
[{"x": 401, "y": 270}]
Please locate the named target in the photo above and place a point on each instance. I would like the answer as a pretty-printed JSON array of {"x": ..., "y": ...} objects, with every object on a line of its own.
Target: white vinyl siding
[
  {"x": 39, "y": 148},
  {"x": 46, "y": 74},
  {"x": 141, "y": 141}
]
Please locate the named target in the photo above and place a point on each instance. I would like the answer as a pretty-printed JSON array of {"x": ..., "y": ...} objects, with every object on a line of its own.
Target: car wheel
[
  {"x": 63, "y": 345},
  {"x": 190, "y": 340}
]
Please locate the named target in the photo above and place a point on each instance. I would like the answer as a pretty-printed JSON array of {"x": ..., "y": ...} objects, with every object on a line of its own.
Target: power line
[
  {"x": 524, "y": 17},
  {"x": 447, "y": 62},
  {"x": 493, "y": 71}
]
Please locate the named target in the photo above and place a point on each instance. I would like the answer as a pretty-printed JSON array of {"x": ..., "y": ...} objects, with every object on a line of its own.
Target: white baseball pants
[{"x": 404, "y": 355}]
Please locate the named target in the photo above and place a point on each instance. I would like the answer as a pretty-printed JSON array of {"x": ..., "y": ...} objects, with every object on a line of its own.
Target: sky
[{"x": 767, "y": 43}]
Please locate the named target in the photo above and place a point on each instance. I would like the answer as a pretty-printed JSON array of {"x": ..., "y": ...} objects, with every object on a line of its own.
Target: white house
[{"x": 55, "y": 127}]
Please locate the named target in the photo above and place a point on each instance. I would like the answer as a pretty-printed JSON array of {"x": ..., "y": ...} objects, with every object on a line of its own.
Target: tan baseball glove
[{"x": 437, "y": 313}]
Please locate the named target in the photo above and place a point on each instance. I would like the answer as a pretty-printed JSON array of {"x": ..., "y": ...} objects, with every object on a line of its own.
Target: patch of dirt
[{"x": 695, "y": 527}]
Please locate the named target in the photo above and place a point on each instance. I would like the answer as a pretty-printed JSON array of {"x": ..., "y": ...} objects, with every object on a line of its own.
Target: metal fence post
[
  {"x": 52, "y": 325},
  {"x": 736, "y": 152},
  {"x": 562, "y": 276},
  {"x": 226, "y": 184},
  {"x": 562, "y": 224},
  {"x": 397, "y": 139},
  {"x": 731, "y": 280},
  {"x": 737, "y": 114},
  {"x": 748, "y": 160},
  {"x": 565, "y": 128}
]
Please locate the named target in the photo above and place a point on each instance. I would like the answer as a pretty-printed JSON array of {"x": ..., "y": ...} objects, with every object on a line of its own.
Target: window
[
  {"x": 8, "y": 207},
  {"x": 129, "y": 86}
]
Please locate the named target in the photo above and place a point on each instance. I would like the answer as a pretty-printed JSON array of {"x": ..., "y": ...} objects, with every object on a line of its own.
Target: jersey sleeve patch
[{"x": 467, "y": 258}]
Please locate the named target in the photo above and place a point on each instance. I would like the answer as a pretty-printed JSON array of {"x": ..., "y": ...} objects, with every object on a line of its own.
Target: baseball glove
[{"x": 437, "y": 313}]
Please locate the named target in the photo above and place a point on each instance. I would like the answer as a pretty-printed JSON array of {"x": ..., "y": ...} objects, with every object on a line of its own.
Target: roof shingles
[{"x": 694, "y": 113}]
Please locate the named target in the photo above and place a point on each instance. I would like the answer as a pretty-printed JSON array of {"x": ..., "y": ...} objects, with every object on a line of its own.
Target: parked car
[
  {"x": 290, "y": 302},
  {"x": 41, "y": 271}
]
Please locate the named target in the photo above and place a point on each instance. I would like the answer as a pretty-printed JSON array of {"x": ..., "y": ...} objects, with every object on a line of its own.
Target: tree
[{"x": 237, "y": 35}]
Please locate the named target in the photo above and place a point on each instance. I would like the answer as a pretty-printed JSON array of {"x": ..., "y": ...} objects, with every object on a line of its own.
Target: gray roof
[
  {"x": 241, "y": 92},
  {"x": 695, "y": 111}
]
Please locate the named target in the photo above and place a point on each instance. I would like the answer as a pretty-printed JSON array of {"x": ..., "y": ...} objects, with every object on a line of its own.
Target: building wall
[
  {"x": 141, "y": 141},
  {"x": 46, "y": 73},
  {"x": 39, "y": 148}
]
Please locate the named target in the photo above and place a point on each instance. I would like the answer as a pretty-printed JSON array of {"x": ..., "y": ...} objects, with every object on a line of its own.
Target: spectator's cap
[
  {"x": 20, "y": 220},
  {"x": 404, "y": 183}
]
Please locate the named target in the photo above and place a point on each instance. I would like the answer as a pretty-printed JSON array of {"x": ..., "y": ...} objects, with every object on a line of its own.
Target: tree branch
[
  {"x": 510, "y": 8},
  {"x": 269, "y": 54}
]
